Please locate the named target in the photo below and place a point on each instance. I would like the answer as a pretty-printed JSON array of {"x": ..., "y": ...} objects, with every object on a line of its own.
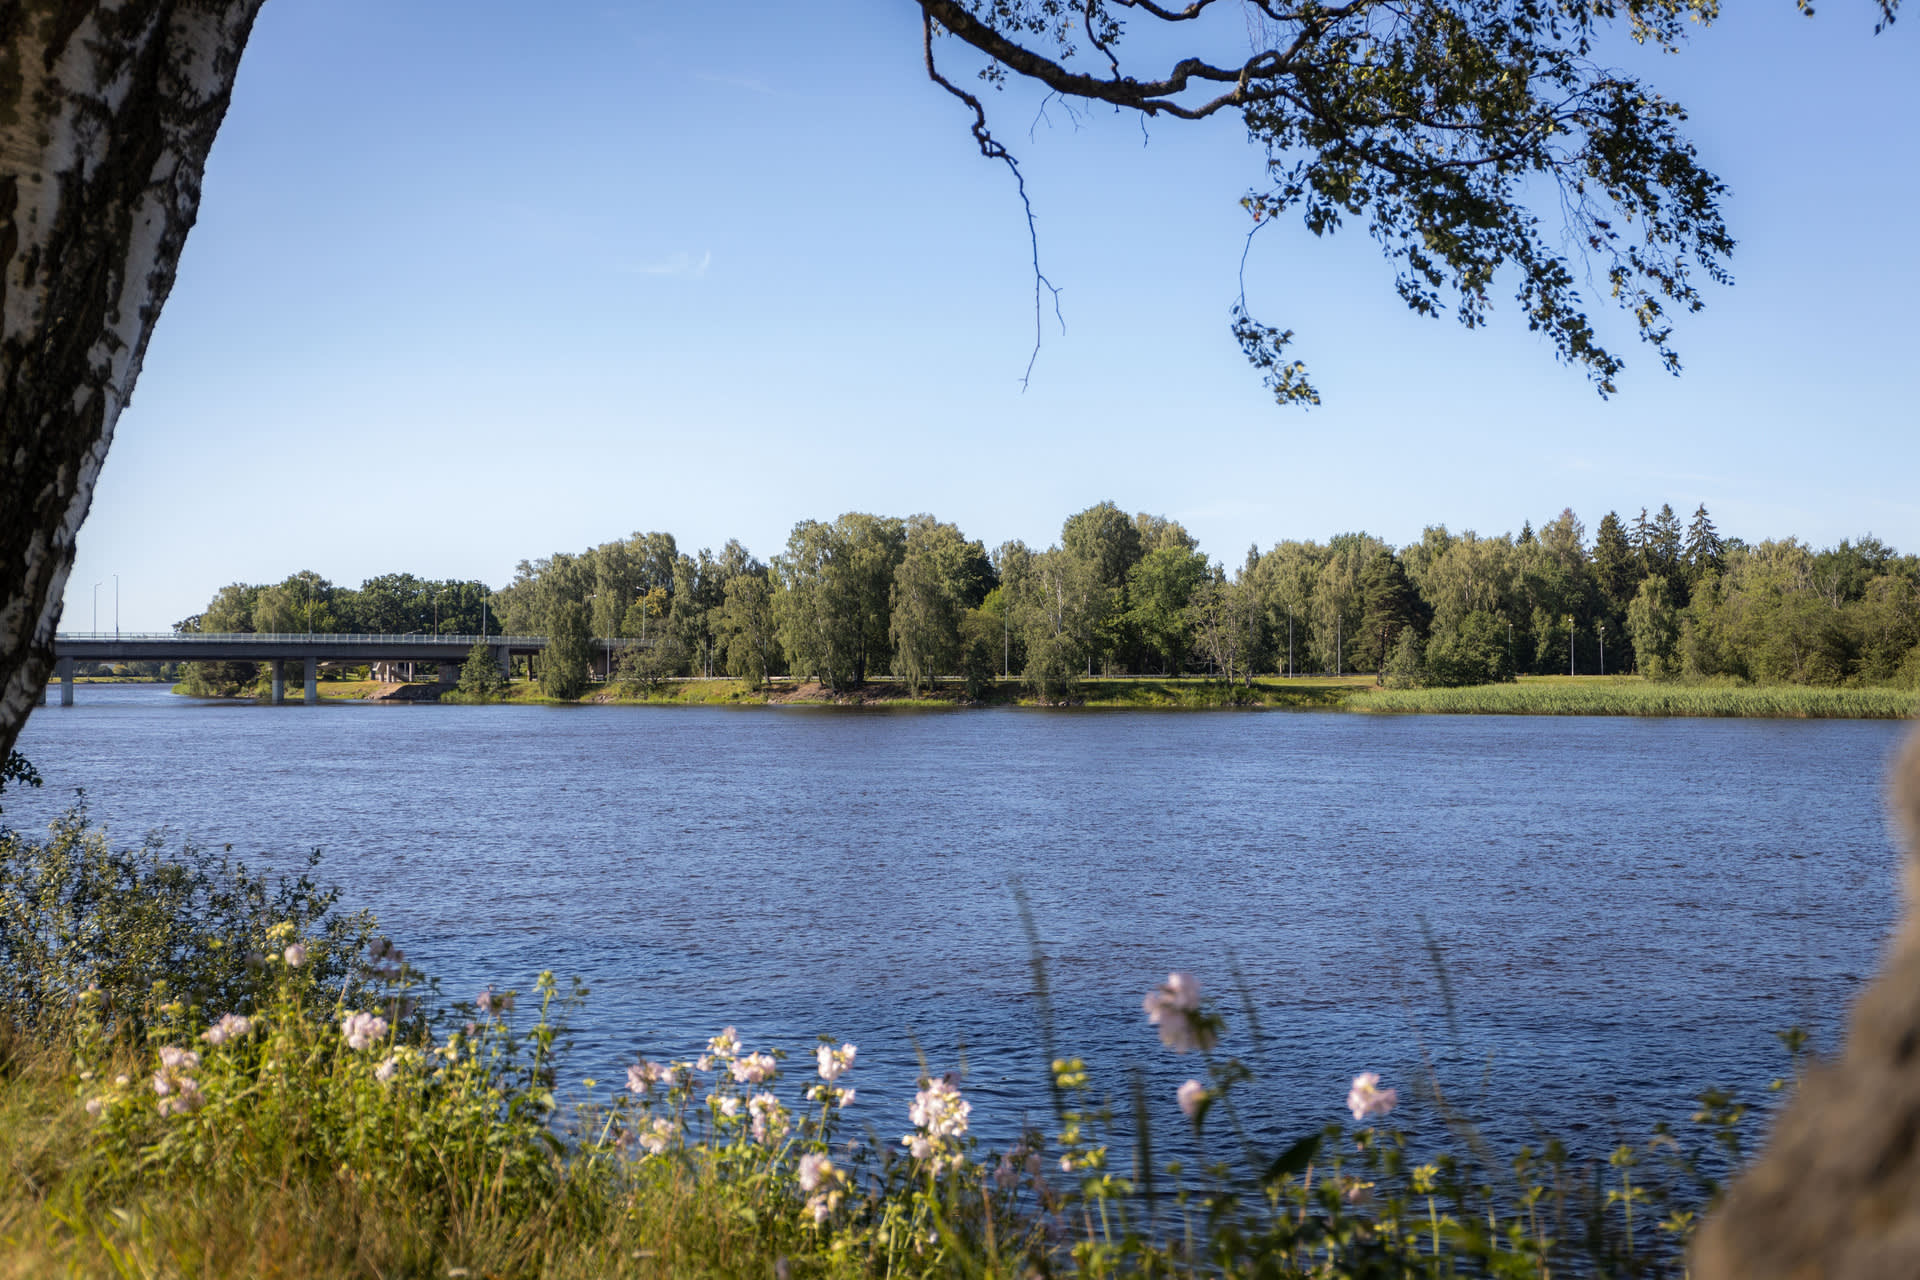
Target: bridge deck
[{"x": 267, "y": 646}]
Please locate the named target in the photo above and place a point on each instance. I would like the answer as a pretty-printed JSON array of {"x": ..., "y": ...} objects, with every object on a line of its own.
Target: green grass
[
  {"x": 1633, "y": 696},
  {"x": 1300, "y": 693},
  {"x": 1530, "y": 695}
]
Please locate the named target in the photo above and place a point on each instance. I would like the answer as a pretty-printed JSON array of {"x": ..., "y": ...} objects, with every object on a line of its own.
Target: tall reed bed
[{"x": 1606, "y": 698}]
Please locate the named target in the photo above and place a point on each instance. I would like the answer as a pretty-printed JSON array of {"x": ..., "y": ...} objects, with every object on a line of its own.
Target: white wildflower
[
  {"x": 178, "y": 1094},
  {"x": 388, "y": 1068},
  {"x": 232, "y": 1026},
  {"x": 768, "y": 1116},
  {"x": 658, "y": 1135},
  {"x": 939, "y": 1109},
  {"x": 824, "y": 1183},
  {"x": 295, "y": 955},
  {"x": 729, "y": 1107},
  {"x": 834, "y": 1062},
  {"x": 95, "y": 1106},
  {"x": 813, "y": 1169},
  {"x": 644, "y": 1075},
  {"x": 176, "y": 1059},
  {"x": 1174, "y": 1007},
  {"x": 838, "y": 1097},
  {"x": 363, "y": 1029},
  {"x": 1191, "y": 1095},
  {"x": 1367, "y": 1099},
  {"x": 755, "y": 1068},
  {"x": 940, "y": 1114}
]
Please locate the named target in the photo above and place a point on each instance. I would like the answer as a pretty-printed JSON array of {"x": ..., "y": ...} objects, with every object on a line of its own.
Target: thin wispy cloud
[
  {"x": 745, "y": 83},
  {"x": 684, "y": 265}
]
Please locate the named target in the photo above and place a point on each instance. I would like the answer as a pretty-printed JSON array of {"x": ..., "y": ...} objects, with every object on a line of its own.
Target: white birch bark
[{"x": 108, "y": 109}]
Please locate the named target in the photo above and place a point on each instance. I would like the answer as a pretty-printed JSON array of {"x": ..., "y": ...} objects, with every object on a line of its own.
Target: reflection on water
[{"x": 1625, "y": 908}]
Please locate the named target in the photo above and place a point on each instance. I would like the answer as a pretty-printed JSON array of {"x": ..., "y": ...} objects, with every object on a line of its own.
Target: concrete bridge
[{"x": 309, "y": 649}]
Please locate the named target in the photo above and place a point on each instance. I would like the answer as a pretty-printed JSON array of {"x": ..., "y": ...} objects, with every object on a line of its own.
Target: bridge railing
[{"x": 269, "y": 638}]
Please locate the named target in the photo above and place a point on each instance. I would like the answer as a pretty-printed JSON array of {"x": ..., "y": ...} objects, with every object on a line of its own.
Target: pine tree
[
  {"x": 1388, "y": 606},
  {"x": 1615, "y": 566},
  {"x": 1666, "y": 541},
  {"x": 1704, "y": 551},
  {"x": 1642, "y": 541}
]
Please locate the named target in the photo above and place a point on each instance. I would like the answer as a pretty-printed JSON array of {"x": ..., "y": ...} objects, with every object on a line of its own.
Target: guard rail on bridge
[{"x": 310, "y": 648}]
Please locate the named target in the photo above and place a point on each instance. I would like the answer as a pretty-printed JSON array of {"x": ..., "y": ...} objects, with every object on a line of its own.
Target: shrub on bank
[{"x": 145, "y": 926}]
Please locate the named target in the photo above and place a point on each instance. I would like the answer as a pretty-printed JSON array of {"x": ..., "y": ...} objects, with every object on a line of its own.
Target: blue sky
[{"x": 478, "y": 282}]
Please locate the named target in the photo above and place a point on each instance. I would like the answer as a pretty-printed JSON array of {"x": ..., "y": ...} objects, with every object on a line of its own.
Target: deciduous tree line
[
  {"x": 867, "y": 595},
  {"x": 392, "y": 604}
]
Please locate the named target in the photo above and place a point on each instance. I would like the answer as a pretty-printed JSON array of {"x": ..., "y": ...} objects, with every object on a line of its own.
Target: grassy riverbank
[
  {"x": 1097, "y": 692},
  {"x": 1530, "y": 695},
  {"x": 1633, "y": 696}
]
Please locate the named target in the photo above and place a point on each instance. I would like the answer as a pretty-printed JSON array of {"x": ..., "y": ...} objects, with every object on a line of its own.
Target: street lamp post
[
  {"x": 96, "y": 607},
  {"x": 1603, "y": 648}
]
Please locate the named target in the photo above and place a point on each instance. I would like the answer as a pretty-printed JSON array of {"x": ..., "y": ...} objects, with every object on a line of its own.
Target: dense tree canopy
[{"x": 863, "y": 595}]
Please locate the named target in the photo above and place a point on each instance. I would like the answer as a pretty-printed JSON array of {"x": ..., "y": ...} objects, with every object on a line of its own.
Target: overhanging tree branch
[
  {"x": 1436, "y": 124},
  {"x": 991, "y": 148}
]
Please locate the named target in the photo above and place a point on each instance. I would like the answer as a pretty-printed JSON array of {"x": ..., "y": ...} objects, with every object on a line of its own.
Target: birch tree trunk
[{"x": 108, "y": 109}]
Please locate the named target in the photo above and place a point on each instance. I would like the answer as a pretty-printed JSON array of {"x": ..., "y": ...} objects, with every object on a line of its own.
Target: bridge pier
[
  {"x": 313, "y": 682},
  {"x": 64, "y": 669},
  {"x": 504, "y": 656},
  {"x": 449, "y": 673},
  {"x": 278, "y": 668}
]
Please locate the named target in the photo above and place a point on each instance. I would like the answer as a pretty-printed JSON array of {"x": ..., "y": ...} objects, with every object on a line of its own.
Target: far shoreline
[{"x": 1632, "y": 696}]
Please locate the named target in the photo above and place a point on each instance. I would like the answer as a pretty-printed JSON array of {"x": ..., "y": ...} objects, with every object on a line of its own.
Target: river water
[{"x": 1621, "y": 910}]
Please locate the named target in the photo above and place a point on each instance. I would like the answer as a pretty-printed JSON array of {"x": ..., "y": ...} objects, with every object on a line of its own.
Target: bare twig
[{"x": 991, "y": 148}]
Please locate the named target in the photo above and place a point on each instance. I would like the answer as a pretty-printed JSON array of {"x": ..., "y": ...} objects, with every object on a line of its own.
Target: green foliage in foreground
[
  {"x": 276, "y": 1121},
  {"x": 80, "y": 916},
  {"x": 1633, "y": 697}
]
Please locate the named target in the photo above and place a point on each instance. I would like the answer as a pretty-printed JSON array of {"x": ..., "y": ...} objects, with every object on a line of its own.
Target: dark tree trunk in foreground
[{"x": 107, "y": 113}]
